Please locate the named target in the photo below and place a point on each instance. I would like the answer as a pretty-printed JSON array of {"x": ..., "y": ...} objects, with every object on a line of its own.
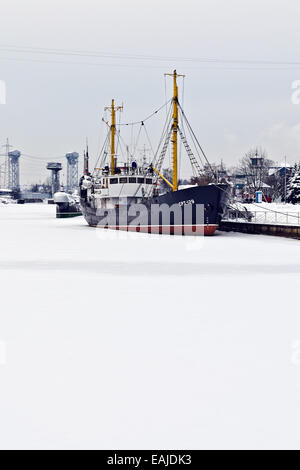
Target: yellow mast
[
  {"x": 113, "y": 133},
  {"x": 175, "y": 128},
  {"x": 113, "y": 110}
]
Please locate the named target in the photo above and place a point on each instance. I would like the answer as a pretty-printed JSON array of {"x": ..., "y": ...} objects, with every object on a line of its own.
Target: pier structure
[
  {"x": 72, "y": 171},
  {"x": 279, "y": 230},
  {"x": 4, "y": 166},
  {"x": 14, "y": 170},
  {"x": 55, "y": 168}
]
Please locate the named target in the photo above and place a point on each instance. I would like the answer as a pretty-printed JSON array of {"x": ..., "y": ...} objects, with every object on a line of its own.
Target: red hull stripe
[{"x": 199, "y": 230}]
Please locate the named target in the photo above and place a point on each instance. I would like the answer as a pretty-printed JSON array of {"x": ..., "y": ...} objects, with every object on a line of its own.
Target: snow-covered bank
[
  {"x": 274, "y": 213},
  {"x": 114, "y": 340}
]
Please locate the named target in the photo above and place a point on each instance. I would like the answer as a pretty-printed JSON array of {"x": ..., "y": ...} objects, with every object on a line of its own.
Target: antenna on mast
[{"x": 86, "y": 159}]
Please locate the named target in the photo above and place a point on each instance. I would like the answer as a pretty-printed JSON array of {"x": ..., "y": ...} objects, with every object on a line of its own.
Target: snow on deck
[{"x": 116, "y": 340}]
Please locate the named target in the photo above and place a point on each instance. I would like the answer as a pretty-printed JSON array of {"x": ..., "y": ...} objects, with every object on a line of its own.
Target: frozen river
[{"x": 115, "y": 340}]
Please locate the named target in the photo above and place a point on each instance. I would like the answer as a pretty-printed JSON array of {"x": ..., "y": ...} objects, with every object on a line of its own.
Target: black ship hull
[
  {"x": 66, "y": 205},
  {"x": 196, "y": 210},
  {"x": 65, "y": 210}
]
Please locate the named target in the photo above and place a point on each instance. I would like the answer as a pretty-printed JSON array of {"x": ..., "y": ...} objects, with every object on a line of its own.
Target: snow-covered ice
[{"x": 120, "y": 341}]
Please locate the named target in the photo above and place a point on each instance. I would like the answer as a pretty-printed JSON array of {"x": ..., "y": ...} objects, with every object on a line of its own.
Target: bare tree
[{"x": 255, "y": 166}]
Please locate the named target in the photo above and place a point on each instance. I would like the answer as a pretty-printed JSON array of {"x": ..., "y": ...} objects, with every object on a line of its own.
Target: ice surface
[{"x": 114, "y": 340}]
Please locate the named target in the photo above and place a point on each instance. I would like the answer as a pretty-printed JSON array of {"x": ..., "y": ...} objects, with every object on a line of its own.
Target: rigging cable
[
  {"x": 147, "y": 135},
  {"x": 131, "y": 140},
  {"x": 118, "y": 141},
  {"x": 194, "y": 143},
  {"x": 126, "y": 146},
  {"x": 180, "y": 148},
  {"x": 197, "y": 141},
  {"x": 165, "y": 80},
  {"x": 165, "y": 132},
  {"x": 148, "y": 117},
  {"x": 101, "y": 151},
  {"x": 137, "y": 139}
]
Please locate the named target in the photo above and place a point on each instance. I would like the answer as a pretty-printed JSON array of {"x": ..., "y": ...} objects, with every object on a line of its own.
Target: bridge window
[{"x": 113, "y": 180}]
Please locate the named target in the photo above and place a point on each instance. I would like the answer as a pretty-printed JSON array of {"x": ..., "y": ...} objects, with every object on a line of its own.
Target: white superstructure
[{"x": 130, "y": 184}]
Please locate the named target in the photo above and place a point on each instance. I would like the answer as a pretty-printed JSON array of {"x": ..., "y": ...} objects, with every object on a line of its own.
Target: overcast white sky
[{"x": 55, "y": 101}]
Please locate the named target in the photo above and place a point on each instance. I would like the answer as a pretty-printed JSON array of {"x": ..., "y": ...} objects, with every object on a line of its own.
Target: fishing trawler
[{"x": 129, "y": 196}]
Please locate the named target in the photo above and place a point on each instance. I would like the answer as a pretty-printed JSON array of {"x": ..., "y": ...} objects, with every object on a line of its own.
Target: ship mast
[
  {"x": 86, "y": 159},
  {"x": 175, "y": 128},
  {"x": 113, "y": 110}
]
